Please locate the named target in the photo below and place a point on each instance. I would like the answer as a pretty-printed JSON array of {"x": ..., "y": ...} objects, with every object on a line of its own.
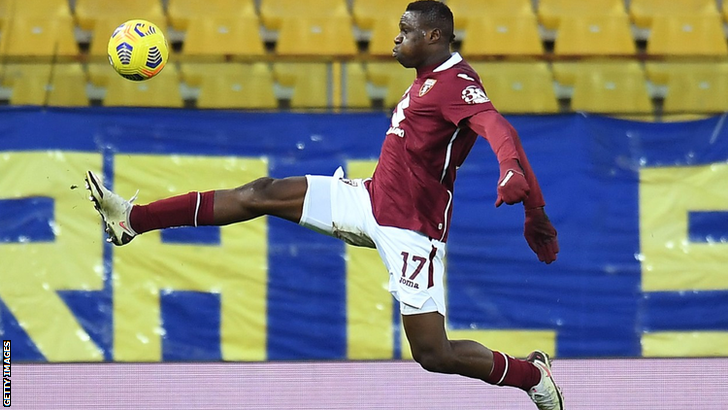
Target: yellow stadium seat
[
  {"x": 35, "y": 8},
  {"x": 182, "y": 12},
  {"x": 310, "y": 83},
  {"x": 550, "y": 12},
  {"x": 384, "y": 30},
  {"x": 316, "y": 36},
  {"x": 643, "y": 11},
  {"x": 223, "y": 36},
  {"x": 162, "y": 91},
  {"x": 232, "y": 85},
  {"x": 594, "y": 35},
  {"x": 100, "y": 35},
  {"x": 88, "y": 11},
  {"x": 692, "y": 87},
  {"x": 519, "y": 87},
  {"x": 612, "y": 87},
  {"x": 367, "y": 12},
  {"x": 274, "y": 12},
  {"x": 687, "y": 35},
  {"x": 725, "y": 10},
  {"x": 392, "y": 76},
  {"x": 355, "y": 86},
  {"x": 62, "y": 84},
  {"x": 503, "y": 35},
  {"x": 38, "y": 37},
  {"x": 465, "y": 11}
]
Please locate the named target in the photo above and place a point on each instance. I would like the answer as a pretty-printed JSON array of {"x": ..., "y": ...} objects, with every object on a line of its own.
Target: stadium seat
[
  {"x": 519, "y": 87},
  {"x": 88, "y": 11},
  {"x": 274, "y": 12},
  {"x": 355, "y": 86},
  {"x": 38, "y": 37},
  {"x": 221, "y": 36},
  {"x": 392, "y": 77},
  {"x": 465, "y": 11},
  {"x": 367, "y": 12},
  {"x": 35, "y": 8},
  {"x": 231, "y": 85},
  {"x": 163, "y": 91},
  {"x": 383, "y": 32},
  {"x": 309, "y": 81},
  {"x": 643, "y": 11},
  {"x": 608, "y": 87},
  {"x": 331, "y": 35},
  {"x": 62, "y": 84},
  {"x": 100, "y": 34},
  {"x": 502, "y": 35},
  {"x": 594, "y": 35},
  {"x": 182, "y": 12},
  {"x": 550, "y": 12},
  {"x": 687, "y": 35},
  {"x": 692, "y": 87}
]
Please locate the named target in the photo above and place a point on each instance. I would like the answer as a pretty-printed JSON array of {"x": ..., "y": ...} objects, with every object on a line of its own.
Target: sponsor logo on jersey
[
  {"x": 465, "y": 76},
  {"x": 427, "y": 86},
  {"x": 396, "y": 131},
  {"x": 473, "y": 94}
]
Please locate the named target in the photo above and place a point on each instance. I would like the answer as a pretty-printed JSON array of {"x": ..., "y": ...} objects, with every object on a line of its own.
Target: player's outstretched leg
[
  {"x": 546, "y": 394},
  {"x": 113, "y": 209},
  {"x": 123, "y": 221}
]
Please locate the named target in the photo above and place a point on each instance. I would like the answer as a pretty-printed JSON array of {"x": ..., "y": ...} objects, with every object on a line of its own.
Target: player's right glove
[
  {"x": 541, "y": 235},
  {"x": 512, "y": 185}
]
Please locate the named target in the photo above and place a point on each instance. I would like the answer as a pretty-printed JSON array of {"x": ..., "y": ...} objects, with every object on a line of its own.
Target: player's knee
[
  {"x": 255, "y": 194},
  {"x": 433, "y": 361}
]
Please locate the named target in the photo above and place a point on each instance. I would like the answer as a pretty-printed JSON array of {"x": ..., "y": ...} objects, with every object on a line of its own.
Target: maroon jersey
[{"x": 427, "y": 141}]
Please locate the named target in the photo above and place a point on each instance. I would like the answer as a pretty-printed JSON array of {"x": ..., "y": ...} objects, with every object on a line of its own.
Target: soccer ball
[{"x": 138, "y": 50}]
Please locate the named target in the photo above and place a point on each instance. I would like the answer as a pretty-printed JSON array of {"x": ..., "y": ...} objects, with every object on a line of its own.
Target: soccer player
[{"x": 403, "y": 210}]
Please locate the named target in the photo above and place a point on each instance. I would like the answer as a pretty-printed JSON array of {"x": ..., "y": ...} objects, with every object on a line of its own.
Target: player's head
[{"x": 425, "y": 33}]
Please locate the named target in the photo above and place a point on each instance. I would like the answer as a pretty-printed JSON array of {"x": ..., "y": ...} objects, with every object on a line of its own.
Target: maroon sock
[
  {"x": 190, "y": 209},
  {"x": 508, "y": 371}
]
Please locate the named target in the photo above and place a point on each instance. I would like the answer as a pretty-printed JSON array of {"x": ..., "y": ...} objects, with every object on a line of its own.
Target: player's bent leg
[
  {"x": 434, "y": 352},
  {"x": 282, "y": 198}
]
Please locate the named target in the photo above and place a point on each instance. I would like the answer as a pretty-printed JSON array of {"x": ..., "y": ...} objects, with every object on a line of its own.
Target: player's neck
[{"x": 434, "y": 61}]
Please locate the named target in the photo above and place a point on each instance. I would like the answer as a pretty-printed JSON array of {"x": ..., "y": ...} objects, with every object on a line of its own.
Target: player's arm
[{"x": 517, "y": 182}]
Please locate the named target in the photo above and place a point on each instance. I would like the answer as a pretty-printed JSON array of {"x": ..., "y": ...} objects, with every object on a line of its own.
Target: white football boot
[
  {"x": 546, "y": 394},
  {"x": 113, "y": 209}
]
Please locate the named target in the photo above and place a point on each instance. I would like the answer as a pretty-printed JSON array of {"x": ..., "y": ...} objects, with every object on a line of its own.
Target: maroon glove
[
  {"x": 541, "y": 235},
  {"x": 512, "y": 185}
]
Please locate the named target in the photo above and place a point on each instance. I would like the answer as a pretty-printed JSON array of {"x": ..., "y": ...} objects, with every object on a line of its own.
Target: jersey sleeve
[{"x": 464, "y": 97}]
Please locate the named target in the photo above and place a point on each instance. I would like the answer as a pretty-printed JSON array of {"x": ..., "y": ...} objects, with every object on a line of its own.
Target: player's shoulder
[{"x": 461, "y": 73}]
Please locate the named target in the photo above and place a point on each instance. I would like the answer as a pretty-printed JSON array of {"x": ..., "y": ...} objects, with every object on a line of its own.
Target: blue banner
[{"x": 640, "y": 210}]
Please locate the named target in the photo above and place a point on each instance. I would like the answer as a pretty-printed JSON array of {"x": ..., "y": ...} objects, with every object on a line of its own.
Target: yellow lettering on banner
[
  {"x": 685, "y": 344},
  {"x": 369, "y": 329},
  {"x": 237, "y": 269},
  {"x": 32, "y": 273},
  {"x": 670, "y": 260}
]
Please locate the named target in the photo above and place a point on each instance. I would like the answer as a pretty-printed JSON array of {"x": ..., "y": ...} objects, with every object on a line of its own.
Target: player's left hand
[
  {"x": 512, "y": 185},
  {"x": 541, "y": 235}
]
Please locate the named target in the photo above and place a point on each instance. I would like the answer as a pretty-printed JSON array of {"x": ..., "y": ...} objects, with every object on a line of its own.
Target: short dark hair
[{"x": 435, "y": 14}]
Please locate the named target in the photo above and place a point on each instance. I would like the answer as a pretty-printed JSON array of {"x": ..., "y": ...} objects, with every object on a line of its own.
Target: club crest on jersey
[
  {"x": 473, "y": 94},
  {"x": 427, "y": 86}
]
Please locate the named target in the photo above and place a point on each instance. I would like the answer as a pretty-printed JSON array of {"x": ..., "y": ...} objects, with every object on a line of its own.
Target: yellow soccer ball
[{"x": 138, "y": 50}]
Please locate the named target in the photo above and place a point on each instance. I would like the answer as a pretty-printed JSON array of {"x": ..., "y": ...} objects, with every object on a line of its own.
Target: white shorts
[{"x": 342, "y": 208}]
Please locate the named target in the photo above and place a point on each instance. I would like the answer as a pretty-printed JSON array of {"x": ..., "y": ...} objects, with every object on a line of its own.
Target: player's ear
[{"x": 434, "y": 35}]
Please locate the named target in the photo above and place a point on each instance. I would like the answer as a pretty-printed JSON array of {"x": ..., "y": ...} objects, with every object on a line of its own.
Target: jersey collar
[{"x": 450, "y": 62}]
